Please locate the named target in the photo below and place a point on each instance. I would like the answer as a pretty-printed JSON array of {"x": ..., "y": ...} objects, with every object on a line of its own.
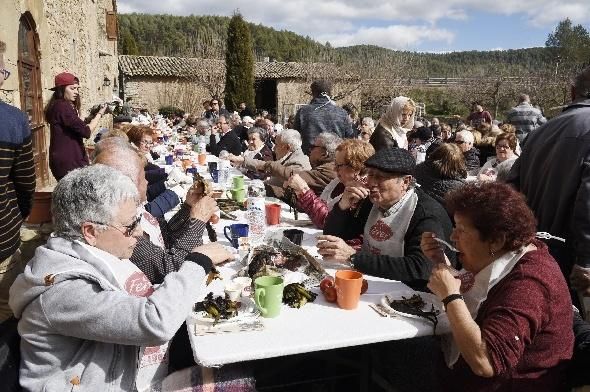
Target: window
[{"x": 112, "y": 29}]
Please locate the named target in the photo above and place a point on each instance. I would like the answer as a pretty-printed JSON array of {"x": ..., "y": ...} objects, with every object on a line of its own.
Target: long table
[{"x": 317, "y": 326}]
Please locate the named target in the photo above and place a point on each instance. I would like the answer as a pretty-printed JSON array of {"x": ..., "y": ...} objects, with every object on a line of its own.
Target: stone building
[
  {"x": 281, "y": 87},
  {"x": 46, "y": 37}
]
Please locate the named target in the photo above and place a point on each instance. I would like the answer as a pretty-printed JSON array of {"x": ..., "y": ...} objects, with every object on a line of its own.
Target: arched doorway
[{"x": 31, "y": 95}]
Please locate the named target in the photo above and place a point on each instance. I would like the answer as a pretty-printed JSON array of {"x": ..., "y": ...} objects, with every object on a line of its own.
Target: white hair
[
  {"x": 466, "y": 135},
  {"x": 330, "y": 141},
  {"x": 368, "y": 121},
  {"x": 90, "y": 194},
  {"x": 291, "y": 137}
]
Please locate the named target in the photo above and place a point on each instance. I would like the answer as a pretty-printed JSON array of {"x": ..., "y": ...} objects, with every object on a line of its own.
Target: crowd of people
[{"x": 101, "y": 305}]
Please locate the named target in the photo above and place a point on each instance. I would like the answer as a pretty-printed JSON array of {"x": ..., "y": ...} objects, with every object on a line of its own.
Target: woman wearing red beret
[{"x": 66, "y": 147}]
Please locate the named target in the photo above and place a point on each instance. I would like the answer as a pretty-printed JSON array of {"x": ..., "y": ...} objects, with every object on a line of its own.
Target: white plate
[
  {"x": 247, "y": 311},
  {"x": 428, "y": 298}
]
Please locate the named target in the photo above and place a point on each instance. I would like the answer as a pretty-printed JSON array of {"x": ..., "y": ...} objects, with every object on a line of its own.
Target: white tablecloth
[{"x": 314, "y": 327}]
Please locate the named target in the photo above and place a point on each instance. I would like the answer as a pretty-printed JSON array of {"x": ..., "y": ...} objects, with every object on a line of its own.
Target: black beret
[{"x": 392, "y": 160}]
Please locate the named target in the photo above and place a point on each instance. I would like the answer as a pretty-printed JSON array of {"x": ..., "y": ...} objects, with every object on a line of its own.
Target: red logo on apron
[
  {"x": 380, "y": 231},
  {"x": 138, "y": 285}
]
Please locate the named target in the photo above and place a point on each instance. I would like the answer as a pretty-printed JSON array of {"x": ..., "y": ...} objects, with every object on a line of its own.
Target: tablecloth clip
[{"x": 546, "y": 236}]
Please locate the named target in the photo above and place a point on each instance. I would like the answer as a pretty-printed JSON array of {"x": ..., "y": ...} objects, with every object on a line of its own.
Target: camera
[{"x": 111, "y": 108}]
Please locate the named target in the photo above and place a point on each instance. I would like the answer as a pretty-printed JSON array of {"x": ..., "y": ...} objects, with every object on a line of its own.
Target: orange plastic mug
[
  {"x": 348, "y": 285},
  {"x": 202, "y": 159}
]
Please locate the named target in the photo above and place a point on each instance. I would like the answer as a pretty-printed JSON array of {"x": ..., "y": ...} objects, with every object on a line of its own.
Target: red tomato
[
  {"x": 330, "y": 294},
  {"x": 214, "y": 219},
  {"x": 365, "y": 286},
  {"x": 328, "y": 281}
]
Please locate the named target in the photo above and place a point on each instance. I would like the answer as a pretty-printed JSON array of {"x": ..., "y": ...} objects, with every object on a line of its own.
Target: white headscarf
[{"x": 391, "y": 120}]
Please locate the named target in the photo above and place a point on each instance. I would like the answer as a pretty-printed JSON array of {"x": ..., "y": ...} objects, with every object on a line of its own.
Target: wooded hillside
[{"x": 205, "y": 36}]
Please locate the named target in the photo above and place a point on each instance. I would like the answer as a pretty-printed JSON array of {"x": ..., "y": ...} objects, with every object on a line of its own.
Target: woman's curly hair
[{"x": 496, "y": 210}]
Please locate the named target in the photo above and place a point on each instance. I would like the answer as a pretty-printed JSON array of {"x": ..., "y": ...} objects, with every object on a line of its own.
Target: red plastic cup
[{"x": 273, "y": 214}]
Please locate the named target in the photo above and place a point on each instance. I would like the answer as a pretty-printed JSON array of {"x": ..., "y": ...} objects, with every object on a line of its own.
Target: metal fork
[{"x": 445, "y": 243}]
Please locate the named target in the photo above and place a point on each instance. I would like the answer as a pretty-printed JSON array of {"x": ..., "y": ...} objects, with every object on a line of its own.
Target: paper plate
[
  {"x": 429, "y": 299},
  {"x": 247, "y": 311}
]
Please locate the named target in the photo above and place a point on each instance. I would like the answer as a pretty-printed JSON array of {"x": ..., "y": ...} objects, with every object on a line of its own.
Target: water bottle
[{"x": 256, "y": 213}]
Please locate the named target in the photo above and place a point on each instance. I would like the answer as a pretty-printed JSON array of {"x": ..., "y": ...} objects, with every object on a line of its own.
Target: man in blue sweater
[
  {"x": 321, "y": 115},
  {"x": 17, "y": 185}
]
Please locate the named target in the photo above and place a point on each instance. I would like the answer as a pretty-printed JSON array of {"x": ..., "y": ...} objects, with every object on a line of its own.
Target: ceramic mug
[
  {"x": 268, "y": 295},
  {"x": 245, "y": 283},
  {"x": 238, "y": 195},
  {"x": 348, "y": 285},
  {"x": 236, "y": 231},
  {"x": 233, "y": 291},
  {"x": 238, "y": 182},
  {"x": 273, "y": 214}
]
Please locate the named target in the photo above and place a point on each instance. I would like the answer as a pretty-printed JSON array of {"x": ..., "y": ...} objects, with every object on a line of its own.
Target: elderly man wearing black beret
[{"x": 391, "y": 215}]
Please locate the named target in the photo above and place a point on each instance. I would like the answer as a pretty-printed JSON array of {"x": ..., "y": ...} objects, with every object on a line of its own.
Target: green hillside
[{"x": 205, "y": 36}]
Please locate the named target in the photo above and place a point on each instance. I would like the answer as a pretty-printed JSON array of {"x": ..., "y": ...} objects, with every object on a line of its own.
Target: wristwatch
[{"x": 447, "y": 300}]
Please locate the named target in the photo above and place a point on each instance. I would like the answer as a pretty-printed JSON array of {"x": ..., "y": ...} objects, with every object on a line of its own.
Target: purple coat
[{"x": 66, "y": 146}]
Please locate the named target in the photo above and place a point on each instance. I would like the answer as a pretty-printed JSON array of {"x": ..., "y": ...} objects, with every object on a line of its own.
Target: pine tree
[{"x": 239, "y": 64}]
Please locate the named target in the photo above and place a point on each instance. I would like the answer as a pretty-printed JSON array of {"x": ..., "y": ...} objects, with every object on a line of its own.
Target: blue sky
[{"x": 418, "y": 25}]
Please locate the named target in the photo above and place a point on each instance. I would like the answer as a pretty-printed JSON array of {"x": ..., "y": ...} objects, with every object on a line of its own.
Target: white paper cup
[
  {"x": 245, "y": 284},
  {"x": 233, "y": 291}
]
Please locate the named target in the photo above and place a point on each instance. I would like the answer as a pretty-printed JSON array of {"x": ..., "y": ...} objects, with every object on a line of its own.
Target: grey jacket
[
  {"x": 295, "y": 160},
  {"x": 553, "y": 172},
  {"x": 319, "y": 116},
  {"x": 76, "y": 323}
]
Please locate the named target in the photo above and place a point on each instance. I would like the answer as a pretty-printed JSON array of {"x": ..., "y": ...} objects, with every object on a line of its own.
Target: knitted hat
[
  {"x": 64, "y": 79},
  {"x": 392, "y": 160}
]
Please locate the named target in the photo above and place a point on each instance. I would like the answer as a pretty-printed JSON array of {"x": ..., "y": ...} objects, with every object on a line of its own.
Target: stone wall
[
  {"x": 72, "y": 37},
  {"x": 154, "y": 92}
]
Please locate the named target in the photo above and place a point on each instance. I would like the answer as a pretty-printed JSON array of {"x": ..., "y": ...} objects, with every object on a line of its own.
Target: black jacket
[
  {"x": 413, "y": 268},
  {"x": 472, "y": 160},
  {"x": 229, "y": 142},
  {"x": 433, "y": 183},
  {"x": 382, "y": 138}
]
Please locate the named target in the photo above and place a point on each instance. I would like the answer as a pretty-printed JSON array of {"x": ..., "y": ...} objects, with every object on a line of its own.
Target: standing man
[
  {"x": 478, "y": 116},
  {"x": 525, "y": 117},
  {"x": 321, "y": 115},
  {"x": 17, "y": 185},
  {"x": 553, "y": 172},
  {"x": 216, "y": 110}
]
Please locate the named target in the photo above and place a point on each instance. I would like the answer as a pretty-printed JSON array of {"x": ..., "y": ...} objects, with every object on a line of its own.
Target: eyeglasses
[
  {"x": 5, "y": 73},
  {"x": 499, "y": 146},
  {"x": 459, "y": 142},
  {"x": 129, "y": 229}
]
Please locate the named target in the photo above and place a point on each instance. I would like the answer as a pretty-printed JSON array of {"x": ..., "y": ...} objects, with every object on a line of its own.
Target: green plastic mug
[
  {"x": 238, "y": 182},
  {"x": 268, "y": 295}
]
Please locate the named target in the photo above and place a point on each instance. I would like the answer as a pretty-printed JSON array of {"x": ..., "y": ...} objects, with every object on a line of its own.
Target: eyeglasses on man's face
[
  {"x": 128, "y": 229},
  {"x": 459, "y": 142},
  {"x": 5, "y": 73}
]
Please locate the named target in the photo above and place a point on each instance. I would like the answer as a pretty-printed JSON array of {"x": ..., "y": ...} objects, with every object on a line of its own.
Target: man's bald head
[{"x": 124, "y": 158}]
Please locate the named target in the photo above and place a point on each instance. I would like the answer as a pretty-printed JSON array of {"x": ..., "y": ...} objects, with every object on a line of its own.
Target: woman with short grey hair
[{"x": 81, "y": 296}]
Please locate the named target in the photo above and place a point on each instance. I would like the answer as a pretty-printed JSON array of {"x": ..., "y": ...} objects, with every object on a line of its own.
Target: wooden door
[{"x": 31, "y": 95}]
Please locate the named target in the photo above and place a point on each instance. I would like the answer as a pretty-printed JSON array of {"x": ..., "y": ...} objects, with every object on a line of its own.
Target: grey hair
[
  {"x": 466, "y": 135},
  {"x": 291, "y": 137},
  {"x": 330, "y": 141},
  {"x": 90, "y": 194},
  {"x": 106, "y": 144},
  {"x": 203, "y": 123},
  {"x": 258, "y": 130},
  {"x": 369, "y": 122},
  {"x": 123, "y": 158}
]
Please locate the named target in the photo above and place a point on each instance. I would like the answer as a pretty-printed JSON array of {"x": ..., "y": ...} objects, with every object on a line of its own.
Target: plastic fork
[{"x": 445, "y": 243}]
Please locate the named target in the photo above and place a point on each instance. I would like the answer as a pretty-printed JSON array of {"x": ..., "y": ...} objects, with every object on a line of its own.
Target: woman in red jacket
[
  {"x": 350, "y": 159},
  {"x": 66, "y": 146}
]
